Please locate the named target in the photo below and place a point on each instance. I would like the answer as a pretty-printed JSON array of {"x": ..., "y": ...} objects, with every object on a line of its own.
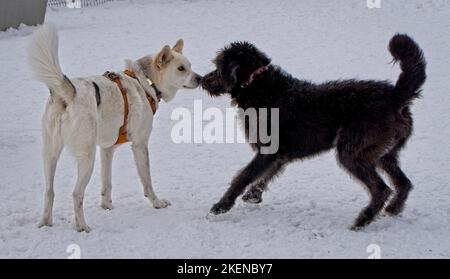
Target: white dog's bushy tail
[{"x": 44, "y": 61}]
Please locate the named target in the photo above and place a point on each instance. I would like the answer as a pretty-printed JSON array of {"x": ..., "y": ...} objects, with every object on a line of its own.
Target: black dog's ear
[
  {"x": 233, "y": 73},
  {"x": 232, "y": 76}
]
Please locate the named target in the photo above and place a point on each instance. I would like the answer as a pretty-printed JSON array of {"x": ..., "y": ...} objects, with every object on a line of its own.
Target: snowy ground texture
[{"x": 305, "y": 214}]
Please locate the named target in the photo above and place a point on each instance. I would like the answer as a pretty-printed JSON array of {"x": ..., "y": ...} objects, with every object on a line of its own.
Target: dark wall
[{"x": 15, "y": 12}]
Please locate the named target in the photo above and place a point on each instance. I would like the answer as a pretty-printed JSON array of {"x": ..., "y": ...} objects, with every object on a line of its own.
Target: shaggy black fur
[{"x": 367, "y": 122}]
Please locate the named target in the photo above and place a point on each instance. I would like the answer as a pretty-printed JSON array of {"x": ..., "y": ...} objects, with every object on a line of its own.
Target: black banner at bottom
[{"x": 225, "y": 268}]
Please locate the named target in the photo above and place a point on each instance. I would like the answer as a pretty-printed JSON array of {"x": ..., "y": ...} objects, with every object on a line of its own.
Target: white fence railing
[{"x": 76, "y": 3}]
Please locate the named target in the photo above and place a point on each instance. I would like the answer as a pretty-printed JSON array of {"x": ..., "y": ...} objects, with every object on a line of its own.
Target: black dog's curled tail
[{"x": 412, "y": 62}]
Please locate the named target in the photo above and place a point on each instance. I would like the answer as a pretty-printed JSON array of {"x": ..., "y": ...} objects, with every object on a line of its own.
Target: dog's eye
[{"x": 181, "y": 69}]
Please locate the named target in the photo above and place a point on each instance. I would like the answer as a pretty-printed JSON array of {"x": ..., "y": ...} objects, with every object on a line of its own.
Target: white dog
[{"x": 84, "y": 112}]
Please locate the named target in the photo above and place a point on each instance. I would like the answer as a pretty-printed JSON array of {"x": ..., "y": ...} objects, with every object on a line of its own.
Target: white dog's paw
[
  {"x": 160, "y": 203},
  {"x": 107, "y": 205},
  {"x": 45, "y": 223},
  {"x": 82, "y": 228}
]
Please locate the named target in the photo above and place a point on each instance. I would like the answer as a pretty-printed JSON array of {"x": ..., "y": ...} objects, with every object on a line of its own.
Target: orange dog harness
[{"x": 123, "y": 138}]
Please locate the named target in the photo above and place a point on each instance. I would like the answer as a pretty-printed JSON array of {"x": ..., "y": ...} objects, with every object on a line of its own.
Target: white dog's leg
[
  {"x": 106, "y": 155},
  {"x": 141, "y": 157},
  {"x": 85, "y": 168},
  {"x": 52, "y": 148}
]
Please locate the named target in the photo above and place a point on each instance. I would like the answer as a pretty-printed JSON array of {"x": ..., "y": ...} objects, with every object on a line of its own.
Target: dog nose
[{"x": 198, "y": 78}]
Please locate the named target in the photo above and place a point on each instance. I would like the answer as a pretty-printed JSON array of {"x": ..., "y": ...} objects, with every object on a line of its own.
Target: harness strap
[
  {"x": 150, "y": 99},
  {"x": 123, "y": 130}
]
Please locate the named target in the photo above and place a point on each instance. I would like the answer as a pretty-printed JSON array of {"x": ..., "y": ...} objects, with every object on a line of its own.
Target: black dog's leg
[
  {"x": 261, "y": 167},
  {"x": 378, "y": 190},
  {"x": 403, "y": 185},
  {"x": 254, "y": 194}
]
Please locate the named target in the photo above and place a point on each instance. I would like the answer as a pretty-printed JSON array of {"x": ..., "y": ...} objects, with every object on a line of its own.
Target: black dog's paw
[
  {"x": 254, "y": 197},
  {"x": 221, "y": 208},
  {"x": 365, "y": 218}
]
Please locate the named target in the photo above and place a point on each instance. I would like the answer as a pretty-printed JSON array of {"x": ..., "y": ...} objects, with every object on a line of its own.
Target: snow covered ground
[{"x": 305, "y": 214}]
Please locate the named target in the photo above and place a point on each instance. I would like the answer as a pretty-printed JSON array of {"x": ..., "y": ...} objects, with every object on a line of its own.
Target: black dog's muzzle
[{"x": 212, "y": 83}]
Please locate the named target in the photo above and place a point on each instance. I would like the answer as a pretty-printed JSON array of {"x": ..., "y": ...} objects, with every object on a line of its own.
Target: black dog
[{"x": 368, "y": 122}]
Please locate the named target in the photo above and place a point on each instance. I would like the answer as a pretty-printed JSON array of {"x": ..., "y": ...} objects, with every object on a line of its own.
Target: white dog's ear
[
  {"x": 164, "y": 56},
  {"x": 178, "y": 47}
]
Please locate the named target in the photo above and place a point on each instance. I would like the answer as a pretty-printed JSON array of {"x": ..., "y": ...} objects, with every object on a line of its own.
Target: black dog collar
[{"x": 256, "y": 73}]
